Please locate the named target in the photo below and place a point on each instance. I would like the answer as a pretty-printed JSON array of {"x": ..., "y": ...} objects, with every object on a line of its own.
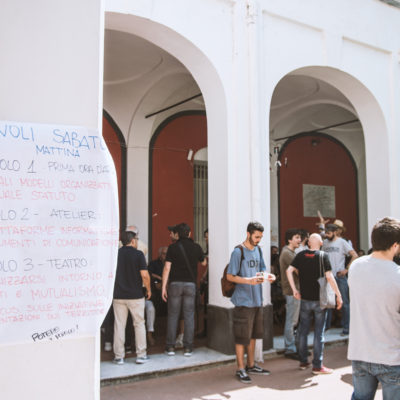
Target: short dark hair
[
  {"x": 172, "y": 228},
  {"x": 385, "y": 234},
  {"x": 183, "y": 230},
  {"x": 254, "y": 226},
  {"x": 127, "y": 237},
  {"x": 303, "y": 234},
  {"x": 290, "y": 233}
]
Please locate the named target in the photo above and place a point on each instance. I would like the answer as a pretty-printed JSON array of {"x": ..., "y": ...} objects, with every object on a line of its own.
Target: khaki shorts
[{"x": 248, "y": 323}]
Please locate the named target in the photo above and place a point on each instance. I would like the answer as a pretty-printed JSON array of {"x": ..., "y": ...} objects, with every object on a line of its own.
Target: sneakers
[
  {"x": 241, "y": 374},
  {"x": 256, "y": 370},
  {"x": 304, "y": 366},
  {"x": 142, "y": 360},
  {"x": 187, "y": 352},
  {"x": 118, "y": 361},
  {"x": 170, "y": 351},
  {"x": 322, "y": 371},
  {"x": 128, "y": 350},
  {"x": 107, "y": 346}
]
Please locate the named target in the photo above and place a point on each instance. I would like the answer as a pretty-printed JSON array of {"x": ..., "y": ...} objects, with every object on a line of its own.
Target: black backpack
[{"x": 228, "y": 287}]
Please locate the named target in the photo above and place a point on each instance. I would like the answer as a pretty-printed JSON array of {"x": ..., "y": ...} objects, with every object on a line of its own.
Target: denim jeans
[
  {"x": 344, "y": 291},
  {"x": 292, "y": 317},
  {"x": 366, "y": 377},
  {"x": 307, "y": 310},
  {"x": 181, "y": 294}
]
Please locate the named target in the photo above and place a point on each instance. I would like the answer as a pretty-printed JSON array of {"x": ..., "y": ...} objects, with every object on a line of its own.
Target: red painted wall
[
  {"x": 327, "y": 163},
  {"x": 114, "y": 146},
  {"x": 172, "y": 175}
]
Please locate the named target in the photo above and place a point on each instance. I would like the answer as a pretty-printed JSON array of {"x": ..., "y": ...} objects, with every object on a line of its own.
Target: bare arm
[
  {"x": 255, "y": 280},
  {"x": 289, "y": 274},
  {"x": 146, "y": 281},
  {"x": 330, "y": 278},
  {"x": 155, "y": 276},
  {"x": 165, "y": 276}
]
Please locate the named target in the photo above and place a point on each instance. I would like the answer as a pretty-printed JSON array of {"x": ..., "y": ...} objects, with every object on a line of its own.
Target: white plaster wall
[
  {"x": 237, "y": 61},
  {"x": 51, "y": 73},
  {"x": 231, "y": 158},
  {"x": 316, "y": 33}
]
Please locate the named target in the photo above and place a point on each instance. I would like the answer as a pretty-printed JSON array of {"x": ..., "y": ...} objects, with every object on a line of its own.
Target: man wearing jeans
[
  {"x": 337, "y": 249},
  {"x": 307, "y": 265},
  {"x": 180, "y": 270},
  {"x": 292, "y": 239},
  {"x": 374, "y": 342},
  {"x": 128, "y": 296}
]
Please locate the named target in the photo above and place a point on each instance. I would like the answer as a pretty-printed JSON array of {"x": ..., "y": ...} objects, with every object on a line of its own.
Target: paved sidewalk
[
  {"x": 203, "y": 357},
  {"x": 218, "y": 383}
]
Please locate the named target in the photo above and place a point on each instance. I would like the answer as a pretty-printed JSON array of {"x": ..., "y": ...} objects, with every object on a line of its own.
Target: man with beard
[
  {"x": 337, "y": 249},
  {"x": 292, "y": 239},
  {"x": 374, "y": 342},
  {"x": 246, "y": 261}
]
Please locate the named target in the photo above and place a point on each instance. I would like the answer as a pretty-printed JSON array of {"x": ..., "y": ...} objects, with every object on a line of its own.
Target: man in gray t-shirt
[
  {"x": 374, "y": 342},
  {"x": 246, "y": 262},
  {"x": 337, "y": 249}
]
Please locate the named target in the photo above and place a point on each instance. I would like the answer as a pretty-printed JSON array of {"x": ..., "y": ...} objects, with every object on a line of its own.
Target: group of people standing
[
  {"x": 300, "y": 269},
  {"x": 372, "y": 283},
  {"x": 173, "y": 275}
]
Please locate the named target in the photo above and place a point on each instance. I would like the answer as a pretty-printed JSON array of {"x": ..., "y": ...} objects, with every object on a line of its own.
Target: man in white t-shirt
[
  {"x": 374, "y": 342},
  {"x": 337, "y": 249}
]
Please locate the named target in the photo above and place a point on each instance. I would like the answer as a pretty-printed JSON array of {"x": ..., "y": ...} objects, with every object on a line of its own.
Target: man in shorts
[{"x": 246, "y": 261}]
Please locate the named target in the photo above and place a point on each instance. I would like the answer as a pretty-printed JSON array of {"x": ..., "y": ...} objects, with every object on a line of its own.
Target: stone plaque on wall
[{"x": 319, "y": 198}]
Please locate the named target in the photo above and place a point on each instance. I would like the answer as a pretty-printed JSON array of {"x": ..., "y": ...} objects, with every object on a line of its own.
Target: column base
[{"x": 220, "y": 329}]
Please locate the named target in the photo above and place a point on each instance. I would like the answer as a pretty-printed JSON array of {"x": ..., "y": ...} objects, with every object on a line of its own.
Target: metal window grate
[{"x": 200, "y": 204}]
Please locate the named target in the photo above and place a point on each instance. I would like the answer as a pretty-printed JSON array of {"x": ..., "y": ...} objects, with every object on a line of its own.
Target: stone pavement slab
[
  {"x": 286, "y": 382},
  {"x": 161, "y": 364}
]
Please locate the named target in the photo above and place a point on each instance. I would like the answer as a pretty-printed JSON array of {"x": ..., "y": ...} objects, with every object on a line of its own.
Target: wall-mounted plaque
[{"x": 319, "y": 197}]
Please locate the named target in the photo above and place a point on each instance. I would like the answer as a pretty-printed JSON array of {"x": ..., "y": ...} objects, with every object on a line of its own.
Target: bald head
[
  {"x": 132, "y": 228},
  {"x": 315, "y": 241}
]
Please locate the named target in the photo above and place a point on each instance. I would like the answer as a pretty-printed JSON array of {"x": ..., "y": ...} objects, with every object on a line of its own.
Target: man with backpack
[{"x": 246, "y": 261}]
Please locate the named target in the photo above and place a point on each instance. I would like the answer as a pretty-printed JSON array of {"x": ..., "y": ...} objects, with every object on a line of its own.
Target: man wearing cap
[{"x": 337, "y": 249}]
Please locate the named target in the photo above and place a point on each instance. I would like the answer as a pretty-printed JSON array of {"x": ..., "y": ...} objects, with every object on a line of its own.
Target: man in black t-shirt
[
  {"x": 307, "y": 265},
  {"x": 181, "y": 270},
  {"x": 154, "y": 305},
  {"x": 130, "y": 278}
]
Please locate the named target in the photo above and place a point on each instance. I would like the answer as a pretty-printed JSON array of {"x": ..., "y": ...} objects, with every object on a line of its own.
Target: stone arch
[{"x": 375, "y": 134}]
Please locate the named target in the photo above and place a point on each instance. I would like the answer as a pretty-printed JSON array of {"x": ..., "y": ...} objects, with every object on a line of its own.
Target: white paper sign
[{"x": 58, "y": 231}]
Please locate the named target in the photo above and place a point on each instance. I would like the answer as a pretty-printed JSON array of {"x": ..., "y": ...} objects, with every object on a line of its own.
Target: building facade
[{"x": 292, "y": 106}]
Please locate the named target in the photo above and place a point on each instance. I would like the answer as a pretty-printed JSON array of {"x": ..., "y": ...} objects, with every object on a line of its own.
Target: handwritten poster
[{"x": 59, "y": 229}]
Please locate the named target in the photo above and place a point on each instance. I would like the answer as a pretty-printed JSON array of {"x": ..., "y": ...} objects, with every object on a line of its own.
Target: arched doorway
[
  {"x": 323, "y": 100},
  {"x": 317, "y": 173}
]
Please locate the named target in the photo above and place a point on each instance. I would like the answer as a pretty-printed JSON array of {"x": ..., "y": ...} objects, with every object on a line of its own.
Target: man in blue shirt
[{"x": 246, "y": 261}]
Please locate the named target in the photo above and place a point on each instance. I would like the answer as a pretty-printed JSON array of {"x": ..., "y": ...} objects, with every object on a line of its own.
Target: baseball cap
[{"x": 331, "y": 227}]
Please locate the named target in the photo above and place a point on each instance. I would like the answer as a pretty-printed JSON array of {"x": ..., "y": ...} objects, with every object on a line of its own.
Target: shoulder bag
[{"x": 326, "y": 294}]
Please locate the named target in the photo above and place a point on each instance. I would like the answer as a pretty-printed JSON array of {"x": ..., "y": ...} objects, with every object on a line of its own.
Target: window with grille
[{"x": 200, "y": 204}]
